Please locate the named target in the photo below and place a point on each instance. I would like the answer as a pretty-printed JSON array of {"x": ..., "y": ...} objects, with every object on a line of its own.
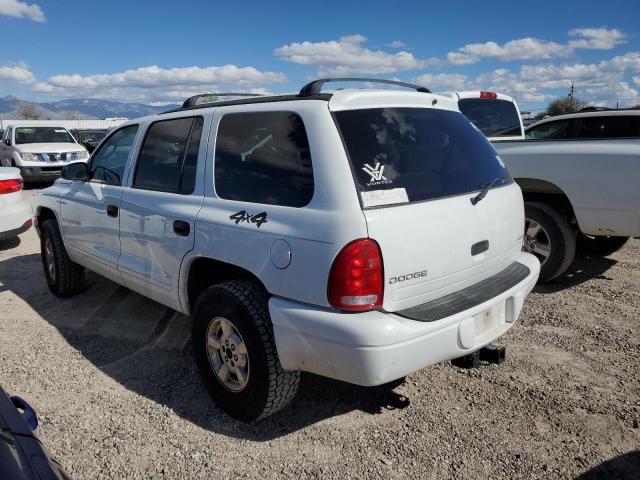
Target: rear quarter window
[
  {"x": 494, "y": 118},
  {"x": 263, "y": 157},
  {"x": 402, "y": 155},
  {"x": 609, "y": 127}
]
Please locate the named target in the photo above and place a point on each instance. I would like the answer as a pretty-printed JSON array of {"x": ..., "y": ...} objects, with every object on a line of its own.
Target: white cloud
[
  {"x": 442, "y": 81},
  {"x": 600, "y": 83},
  {"x": 14, "y": 8},
  {"x": 156, "y": 84},
  {"x": 396, "y": 44},
  {"x": 636, "y": 80},
  {"x": 537, "y": 49},
  {"x": 629, "y": 62},
  {"x": 346, "y": 56},
  {"x": 17, "y": 73},
  {"x": 520, "y": 49},
  {"x": 596, "y": 38}
]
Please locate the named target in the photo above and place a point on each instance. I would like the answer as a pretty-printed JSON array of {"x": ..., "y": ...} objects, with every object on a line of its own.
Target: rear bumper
[
  {"x": 15, "y": 217},
  {"x": 374, "y": 348}
]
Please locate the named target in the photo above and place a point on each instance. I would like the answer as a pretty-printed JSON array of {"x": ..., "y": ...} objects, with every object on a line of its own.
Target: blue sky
[{"x": 163, "y": 51}]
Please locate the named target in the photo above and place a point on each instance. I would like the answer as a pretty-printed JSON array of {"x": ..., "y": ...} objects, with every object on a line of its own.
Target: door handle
[
  {"x": 182, "y": 228},
  {"x": 112, "y": 211}
]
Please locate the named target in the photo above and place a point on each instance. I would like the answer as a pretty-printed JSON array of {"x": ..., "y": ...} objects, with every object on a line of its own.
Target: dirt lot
[{"x": 112, "y": 378}]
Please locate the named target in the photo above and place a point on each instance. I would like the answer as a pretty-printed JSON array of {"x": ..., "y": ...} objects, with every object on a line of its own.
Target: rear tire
[
  {"x": 599, "y": 246},
  {"x": 64, "y": 277},
  {"x": 558, "y": 252},
  {"x": 248, "y": 386}
]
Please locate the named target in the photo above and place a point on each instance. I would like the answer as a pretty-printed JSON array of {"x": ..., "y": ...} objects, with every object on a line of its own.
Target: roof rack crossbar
[
  {"x": 314, "y": 88},
  {"x": 192, "y": 101}
]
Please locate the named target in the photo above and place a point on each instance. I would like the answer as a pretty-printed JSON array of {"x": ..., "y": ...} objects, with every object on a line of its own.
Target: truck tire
[
  {"x": 599, "y": 246},
  {"x": 550, "y": 237},
  {"x": 235, "y": 351},
  {"x": 64, "y": 277}
]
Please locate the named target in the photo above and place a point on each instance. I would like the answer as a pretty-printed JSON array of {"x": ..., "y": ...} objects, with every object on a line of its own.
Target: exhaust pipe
[{"x": 491, "y": 354}]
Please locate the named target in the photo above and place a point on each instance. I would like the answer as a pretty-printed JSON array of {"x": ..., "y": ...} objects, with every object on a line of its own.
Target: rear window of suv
[
  {"x": 402, "y": 155},
  {"x": 494, "y": 118}
]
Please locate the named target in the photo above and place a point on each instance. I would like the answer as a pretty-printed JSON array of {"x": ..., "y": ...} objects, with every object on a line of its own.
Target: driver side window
[{"x": 107, "y": 164}]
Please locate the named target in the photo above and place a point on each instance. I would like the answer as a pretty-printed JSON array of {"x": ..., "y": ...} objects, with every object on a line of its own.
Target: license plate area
[{"x": 485, "y": 322}]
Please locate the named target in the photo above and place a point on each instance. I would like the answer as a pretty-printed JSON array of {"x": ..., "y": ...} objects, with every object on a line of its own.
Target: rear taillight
[
  {"x": 492, "y": 95},
  {"x": 355, "y": 281},
  {"x": 10, "y": 186}
]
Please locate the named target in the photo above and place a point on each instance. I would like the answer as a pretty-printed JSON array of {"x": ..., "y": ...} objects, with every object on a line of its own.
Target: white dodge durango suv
[
  {"x": 357, "y": 234},
  {"x": 39, "y": 152}
]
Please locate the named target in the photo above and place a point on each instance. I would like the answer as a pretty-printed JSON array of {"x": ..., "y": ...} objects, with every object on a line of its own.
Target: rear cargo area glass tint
[
  {"x": 402, "y": 155},
  {"x": 494, "y": 118}
]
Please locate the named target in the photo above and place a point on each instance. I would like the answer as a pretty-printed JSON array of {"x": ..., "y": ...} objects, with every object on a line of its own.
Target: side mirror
[
  {"x": 8, "y": 141},
  {"x": 75, "y": 171}
]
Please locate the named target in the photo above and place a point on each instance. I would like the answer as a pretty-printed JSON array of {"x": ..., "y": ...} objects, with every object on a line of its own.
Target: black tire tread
[
  {"x": 282, "y": 385},
  {"x": 567, "y": 234},
  {"x": 70, "y": 277}
]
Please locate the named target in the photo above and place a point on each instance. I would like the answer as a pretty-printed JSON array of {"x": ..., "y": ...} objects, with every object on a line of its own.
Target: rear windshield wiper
[{"x": 485, "y": 189}]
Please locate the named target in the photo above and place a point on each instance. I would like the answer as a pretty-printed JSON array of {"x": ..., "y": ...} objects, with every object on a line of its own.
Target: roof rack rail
[
  {"x": 193, "y": 101},
  {"x": 314, "y": 88},
  {"x": 595, "y": 109}
]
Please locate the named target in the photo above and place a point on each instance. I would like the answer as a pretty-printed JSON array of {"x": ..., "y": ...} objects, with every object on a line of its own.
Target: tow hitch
[{"x": 491, "y": 354}]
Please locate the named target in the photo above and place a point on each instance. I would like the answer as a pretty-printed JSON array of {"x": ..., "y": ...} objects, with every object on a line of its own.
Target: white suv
[
  {"x": 39, "y": 152},
  {"x": 357, "y": 234}
]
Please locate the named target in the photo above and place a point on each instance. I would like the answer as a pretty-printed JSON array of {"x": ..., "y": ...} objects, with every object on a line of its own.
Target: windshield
[
  {"x": 402, "y": 155},
  {"x": 494, "y": 118},
  {"x": 43, "y": 135}
]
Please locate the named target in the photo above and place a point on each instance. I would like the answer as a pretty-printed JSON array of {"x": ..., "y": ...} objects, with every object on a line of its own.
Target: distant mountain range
[{"x": 80, "y": 109}]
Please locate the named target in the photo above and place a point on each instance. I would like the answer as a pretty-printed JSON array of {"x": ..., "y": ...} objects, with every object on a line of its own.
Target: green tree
[{"x": 565, "y": 105}]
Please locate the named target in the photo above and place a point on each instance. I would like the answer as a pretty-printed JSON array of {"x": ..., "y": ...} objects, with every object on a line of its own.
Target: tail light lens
[
  {"x": 492, "y": 95},
  {"x": 356, "y": 278},
  {"x": 10, "y": 186}
]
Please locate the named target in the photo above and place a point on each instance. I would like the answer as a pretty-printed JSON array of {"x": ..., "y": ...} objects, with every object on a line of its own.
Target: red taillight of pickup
[
  {"x": 356, "y": 278},
  {"x": 10, "y": 186}
]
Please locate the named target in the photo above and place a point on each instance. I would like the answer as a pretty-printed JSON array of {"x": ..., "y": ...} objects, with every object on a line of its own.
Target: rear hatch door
[{"x": 417, "y": 171}]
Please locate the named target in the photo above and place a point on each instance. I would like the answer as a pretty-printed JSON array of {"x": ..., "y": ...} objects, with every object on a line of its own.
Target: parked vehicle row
[{"x": 221, "y": 210}]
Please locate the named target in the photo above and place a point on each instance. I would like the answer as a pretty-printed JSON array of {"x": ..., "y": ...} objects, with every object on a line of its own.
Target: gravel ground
[{"x": 112, "y": 378}]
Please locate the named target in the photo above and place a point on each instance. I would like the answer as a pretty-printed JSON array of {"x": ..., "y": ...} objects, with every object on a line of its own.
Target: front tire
[
  {"x": 235, "y": 351},
  {"x": 550, "y": 237},
  {"x": 599, "y": 246},
  {"x": 64, "y": 277}
]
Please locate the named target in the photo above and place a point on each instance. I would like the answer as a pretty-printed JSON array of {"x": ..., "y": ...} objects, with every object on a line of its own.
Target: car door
[
  {"x": 158, "y": 211},
  {"x": 89, "y": 210}
]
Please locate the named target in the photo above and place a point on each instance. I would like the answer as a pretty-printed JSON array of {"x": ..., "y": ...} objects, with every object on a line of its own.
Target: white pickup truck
[{"x": 580, "y": 178}]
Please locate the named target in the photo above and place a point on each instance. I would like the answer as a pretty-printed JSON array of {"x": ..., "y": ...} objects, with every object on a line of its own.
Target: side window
[
  {"x": 550, "y": 131},
  {"x": 107, "y": 164},
  {"x": 169, "y": 156},
  {"x": 263, "y": 157},
  {"x": 608, "y": 127}
]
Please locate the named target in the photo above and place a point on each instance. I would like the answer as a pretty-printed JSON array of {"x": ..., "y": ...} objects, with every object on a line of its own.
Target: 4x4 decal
[{"x": 243, "y": 216}]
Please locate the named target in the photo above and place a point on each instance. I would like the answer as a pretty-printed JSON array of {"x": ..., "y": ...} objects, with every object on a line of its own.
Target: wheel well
[
  {"x": 541, "y": 191},
  {"x": 45, "y": 214},
  {"x": 204, "y": 272}
]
